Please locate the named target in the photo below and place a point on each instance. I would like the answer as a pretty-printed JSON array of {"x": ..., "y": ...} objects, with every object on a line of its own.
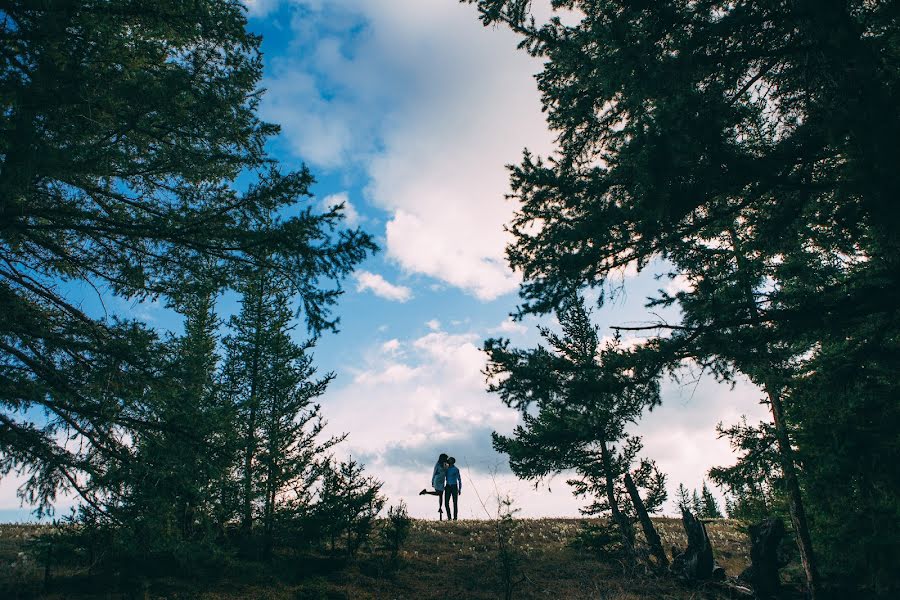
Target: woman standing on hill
[{"x": 438, "y": 479}]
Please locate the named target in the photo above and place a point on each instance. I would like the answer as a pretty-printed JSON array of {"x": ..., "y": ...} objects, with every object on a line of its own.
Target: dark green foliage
[
  {"x": 576, "y": 399},
  {"x": 710, "y": 506},
  {"x": 348, "y": 504},
  {"x": 849, "y": 442},
  {"x": 750, "y": 150},
  {"x": 124, "y": 126},
  {"x": 167, "y": 493},
  {"x": 396, "y": 530},
  {"x": 270, "y": 382},
  {"x": 701, "y": 504},
  {"x": 684, "y": 501},
  {"x": 754, "y": 487}
]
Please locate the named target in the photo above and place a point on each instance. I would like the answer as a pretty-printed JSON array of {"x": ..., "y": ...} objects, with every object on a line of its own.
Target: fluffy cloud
[
  {"x": 431, "y": 105},
  {"x": 260, "y": 8},
  {"x": 431, "y": 402},
  {"x": 681, "y": 434},
  {"x": 351, "y": 216},
  {"x": 381, "y": 287},
  {"x": 391, "y": 347},
  {"x": 509, "y": 327},
  {"x": 389, "y": 374},
  {"x": 434, "y": 401}
]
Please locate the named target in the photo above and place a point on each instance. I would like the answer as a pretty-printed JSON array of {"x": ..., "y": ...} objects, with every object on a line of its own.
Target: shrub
[{"x": 396, "y": 530}]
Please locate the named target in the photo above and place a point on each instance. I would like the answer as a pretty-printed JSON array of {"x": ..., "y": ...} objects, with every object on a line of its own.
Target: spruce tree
[
  {"x": 575, "y": 401},
  {"x": 711, "y": 508},
  {"x": 750, "y": 145},
  {"x": 290, "y": 451},
  {"x": 347, "y": 504},
  {"x": 696, "y": 504},
  {"x": 754, "y": 484},
  {"x": 166, "y": 493},
  {"x": 682, "y": 498},
  {"x": 125, "y": 125},
  {"x": 273, "y": 387}
]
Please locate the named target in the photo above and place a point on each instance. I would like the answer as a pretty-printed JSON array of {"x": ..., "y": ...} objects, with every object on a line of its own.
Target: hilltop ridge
[{"x": 544, "y": 558}]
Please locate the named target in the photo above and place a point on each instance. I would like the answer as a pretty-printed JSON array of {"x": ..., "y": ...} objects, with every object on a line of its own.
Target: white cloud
[
  {"x": 433, "y": 324},
  {"x": 351, "y": 216},
  {"x": 456, "y": 354},
  {"x": 420, "y": 244},
  {"x": 315, "y": 129},
  {"x": 392, "y": 373},
  {"x": 435, "y": 401},
  {"x": 391, "y": 347},
  {"x": 379, "y": 286},
  {"x": 509, "y": 326},
  {"x": 679, "y": 283},
  {"x": 681, "y": 435},
  {"x": 432, "y": 105},
  {"x": 260, "y": 8}
]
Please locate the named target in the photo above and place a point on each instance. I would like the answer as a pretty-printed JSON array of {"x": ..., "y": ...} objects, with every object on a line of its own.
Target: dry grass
[{"x": 440, "y": 559}]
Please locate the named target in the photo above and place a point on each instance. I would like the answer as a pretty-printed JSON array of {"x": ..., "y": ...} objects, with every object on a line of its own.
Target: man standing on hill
[{"x": 453, "y": 488}]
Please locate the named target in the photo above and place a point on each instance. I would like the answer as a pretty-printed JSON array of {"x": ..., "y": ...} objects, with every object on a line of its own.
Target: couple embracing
[{"x": 447, "y": 483}]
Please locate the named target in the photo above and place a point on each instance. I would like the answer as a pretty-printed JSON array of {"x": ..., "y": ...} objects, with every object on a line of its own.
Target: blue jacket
[{"x": 453, "y": 477}]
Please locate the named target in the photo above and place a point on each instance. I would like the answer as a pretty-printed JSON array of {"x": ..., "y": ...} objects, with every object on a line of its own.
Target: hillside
[{"x": 440, "y": 559}]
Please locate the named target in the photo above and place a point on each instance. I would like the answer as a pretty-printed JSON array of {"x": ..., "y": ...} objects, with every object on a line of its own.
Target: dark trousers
[{"x": 451, "y": 491}]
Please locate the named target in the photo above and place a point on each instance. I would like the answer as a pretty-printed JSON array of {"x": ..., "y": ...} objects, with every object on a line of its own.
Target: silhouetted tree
[
  {"x": 751, "y": 146},
  {"x": 164, "y": 497},
  {"x": 348, "y": 503},
  {"x": 273, "y": 389},
  {"x": 711, "y": 508},
  {"x": 124, "y": 127},
  {"x": 576, "y": 398}
]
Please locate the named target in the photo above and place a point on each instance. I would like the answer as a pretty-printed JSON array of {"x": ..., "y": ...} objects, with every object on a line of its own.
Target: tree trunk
[
  {"x": 625, "y": 530},
  {"x": 696, "y": 562},
  {"x": 656, "y": 547},
  {"x": 250, "y": 449},
  {"x": 785, "y": 451},
  {"x": 798, "y": 513},
  {"x": 247, "y": 518},
  {"x": 762, "y": 574}
]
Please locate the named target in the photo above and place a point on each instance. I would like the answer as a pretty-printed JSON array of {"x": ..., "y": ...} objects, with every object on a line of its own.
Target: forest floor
[{"x": 458, "y": 560}]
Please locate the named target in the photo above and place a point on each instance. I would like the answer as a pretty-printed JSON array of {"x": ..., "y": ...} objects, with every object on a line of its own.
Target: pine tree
[
  {"x": 290, "y": 449},
  {"x": 683, "y": 499},
  {"x": 348, "y": 503},
  {"x": 272, "y": 382},
  {"x": 124, "y": 127},
  {"x": 750, "y": 145},
  {"x": 711, "y": 508},
  {"x": 168, "y": 488},
  {"x": 696, "y": 504},
  {"x": 755, "y": 484},
  {"x": 576, "y": 398}
]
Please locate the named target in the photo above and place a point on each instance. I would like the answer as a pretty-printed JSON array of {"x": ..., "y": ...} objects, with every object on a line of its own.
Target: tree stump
[
  {"x": 695, "y": 563},
  {"x": 762, "y": 574}
]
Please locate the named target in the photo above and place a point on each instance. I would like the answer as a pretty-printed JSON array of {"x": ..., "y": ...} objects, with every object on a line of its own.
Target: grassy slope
[{"x": 441, "y": 559}]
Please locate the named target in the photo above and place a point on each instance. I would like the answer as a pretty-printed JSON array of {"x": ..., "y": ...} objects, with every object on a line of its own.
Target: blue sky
[{"x": 407, "y": 111}]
